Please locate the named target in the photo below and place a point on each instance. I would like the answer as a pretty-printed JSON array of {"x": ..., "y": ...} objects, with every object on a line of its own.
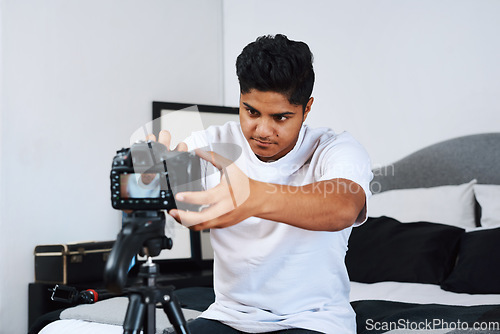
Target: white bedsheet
[
  {"x": 417, "y": 294},
  {"x": 80, "y": 327}
]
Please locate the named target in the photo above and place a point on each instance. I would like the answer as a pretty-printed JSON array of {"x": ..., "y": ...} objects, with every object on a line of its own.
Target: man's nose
[{"x": 264, "y": 129}]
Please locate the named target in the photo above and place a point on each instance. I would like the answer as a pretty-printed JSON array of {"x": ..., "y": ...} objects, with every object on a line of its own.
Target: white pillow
[
  {"x": 488, "y": 197},
  {"x": 451, "y": 205}
]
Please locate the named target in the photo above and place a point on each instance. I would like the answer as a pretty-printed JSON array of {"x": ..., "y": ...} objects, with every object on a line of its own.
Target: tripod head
[{"x": 143, "y": 232}]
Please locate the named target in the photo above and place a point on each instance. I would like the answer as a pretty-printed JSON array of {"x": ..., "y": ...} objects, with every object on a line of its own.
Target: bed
[{"x": 427, "y": 260}]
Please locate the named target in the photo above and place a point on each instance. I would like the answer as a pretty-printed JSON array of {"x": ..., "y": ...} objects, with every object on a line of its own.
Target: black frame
[
  {"x": 196, "y": 261},
  {"x": 159, "y": 106}
]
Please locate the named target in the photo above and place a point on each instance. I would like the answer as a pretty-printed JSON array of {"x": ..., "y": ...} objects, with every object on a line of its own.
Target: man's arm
[{"x": 329, "y": 205}]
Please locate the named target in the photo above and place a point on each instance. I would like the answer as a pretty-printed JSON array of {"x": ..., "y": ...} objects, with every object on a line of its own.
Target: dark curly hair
[{"x": 277, "y": 64}]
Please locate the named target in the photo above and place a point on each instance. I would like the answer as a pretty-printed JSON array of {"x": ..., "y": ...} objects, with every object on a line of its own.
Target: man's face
[{"x": 270, "y": 123}]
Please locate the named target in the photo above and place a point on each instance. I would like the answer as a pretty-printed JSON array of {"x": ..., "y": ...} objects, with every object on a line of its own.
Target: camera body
[{"x": 147, "y": 176}]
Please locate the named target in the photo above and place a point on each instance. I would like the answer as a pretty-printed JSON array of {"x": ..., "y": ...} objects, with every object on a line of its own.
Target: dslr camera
[
  {"x": 147, "y": 176},
  {"x": 144, "y": 180}
]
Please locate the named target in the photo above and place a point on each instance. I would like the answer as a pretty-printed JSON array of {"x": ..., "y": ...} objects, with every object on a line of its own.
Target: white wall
[
  {"x": 398, "y": 75},
  {"x": 79, "y": 77},
  {"x": 2, "y": 206}
]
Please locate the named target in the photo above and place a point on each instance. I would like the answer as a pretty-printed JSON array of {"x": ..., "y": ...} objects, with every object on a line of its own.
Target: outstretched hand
[
  {"x": 227, "y": 204},
  {"x": 165, "y": 138}
]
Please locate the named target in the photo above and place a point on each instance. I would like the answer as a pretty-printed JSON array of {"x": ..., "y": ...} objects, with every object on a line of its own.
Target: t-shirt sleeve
[{"x": 345, "y": 158}]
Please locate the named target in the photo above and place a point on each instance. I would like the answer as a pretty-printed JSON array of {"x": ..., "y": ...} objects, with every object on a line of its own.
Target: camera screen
[{"x": 137, "y": 185}]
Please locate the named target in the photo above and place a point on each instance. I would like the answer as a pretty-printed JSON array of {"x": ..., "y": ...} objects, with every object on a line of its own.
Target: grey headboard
[{"x": 453, "y": 161}]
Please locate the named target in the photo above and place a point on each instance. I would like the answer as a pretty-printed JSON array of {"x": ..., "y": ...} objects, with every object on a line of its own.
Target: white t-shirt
[{"x": 271, "y": 276}]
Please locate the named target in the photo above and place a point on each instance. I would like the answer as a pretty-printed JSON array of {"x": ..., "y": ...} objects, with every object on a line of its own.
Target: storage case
[{"x": 71, "y": 263}]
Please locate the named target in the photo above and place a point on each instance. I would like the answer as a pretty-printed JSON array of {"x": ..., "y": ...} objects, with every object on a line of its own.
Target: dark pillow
[
  {"x": 383, "y": 249},
  {"x": 478, "y": 265}
]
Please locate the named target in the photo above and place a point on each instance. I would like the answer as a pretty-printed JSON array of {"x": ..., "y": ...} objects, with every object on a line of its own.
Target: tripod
[
  {"x": 143, "y": 231},
  {"x": 141, "y": 311}
]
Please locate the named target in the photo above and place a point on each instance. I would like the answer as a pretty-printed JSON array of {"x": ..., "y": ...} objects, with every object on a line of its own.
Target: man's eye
[
  {"x": 252, "y": 112},
  {"x": 281, "y": 118}
]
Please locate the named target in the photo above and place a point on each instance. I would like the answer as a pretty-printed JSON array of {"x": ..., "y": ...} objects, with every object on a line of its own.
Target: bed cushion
[
  {"x": 478, "y": 265},
  {"x": 383, "y": 249},
  {"x": 488, "y": 197},
  {"x": 450, "y": 205},
  {"x": 112, "y": 312}
]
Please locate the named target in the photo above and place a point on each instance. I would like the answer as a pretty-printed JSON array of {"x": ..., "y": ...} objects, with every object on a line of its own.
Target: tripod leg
[
  {"x": 134, "y": 316},
  {"x": 150, "y": 320},
  {"x": 174, "y": 314}
]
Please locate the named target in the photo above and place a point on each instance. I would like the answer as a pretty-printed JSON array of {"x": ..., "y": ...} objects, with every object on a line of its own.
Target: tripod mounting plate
[{"x": 143, "y": 231}]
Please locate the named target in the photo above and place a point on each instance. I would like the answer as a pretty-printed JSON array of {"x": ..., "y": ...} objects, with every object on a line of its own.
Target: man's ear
[{"x": 307, "y": 109}]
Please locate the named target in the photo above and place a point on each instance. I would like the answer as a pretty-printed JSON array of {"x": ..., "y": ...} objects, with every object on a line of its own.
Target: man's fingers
[
  {"x": 175, "y": 213},
  {"x": 150, "y": 137},
  {"x": 190, "y": 218},
  {"x": 182, "y": 147},
  {"x": 200, "y": 197},
  {"x": 164, "y": 138}
]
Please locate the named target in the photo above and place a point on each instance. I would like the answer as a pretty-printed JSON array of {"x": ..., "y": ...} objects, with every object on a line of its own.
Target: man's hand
[
  {"x": 224, "y": 198},
  {"x": 165, "y": 138},
  {"x": 227, "y": 202}
]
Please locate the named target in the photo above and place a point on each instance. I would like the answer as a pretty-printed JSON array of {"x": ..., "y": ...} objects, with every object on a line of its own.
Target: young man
[{"x": 281, "y": 214}]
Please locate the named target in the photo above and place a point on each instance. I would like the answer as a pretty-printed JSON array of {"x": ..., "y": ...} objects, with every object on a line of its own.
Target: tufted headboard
[{"x": 451, "y": 162}]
